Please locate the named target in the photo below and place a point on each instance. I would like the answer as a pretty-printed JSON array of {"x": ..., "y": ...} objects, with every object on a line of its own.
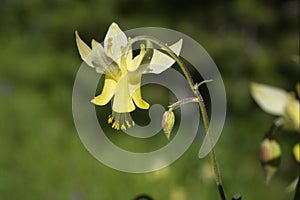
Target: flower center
[{"x": 121, "y": 121}]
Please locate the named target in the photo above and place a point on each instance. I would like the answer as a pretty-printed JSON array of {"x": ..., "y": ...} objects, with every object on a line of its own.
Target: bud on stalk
[
  {"x": 270, "y": 154},
  {"x": 168, "y": 122}
]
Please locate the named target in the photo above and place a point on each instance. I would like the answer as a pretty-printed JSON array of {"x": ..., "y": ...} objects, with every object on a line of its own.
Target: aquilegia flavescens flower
[{"x": 123, "y": 72}]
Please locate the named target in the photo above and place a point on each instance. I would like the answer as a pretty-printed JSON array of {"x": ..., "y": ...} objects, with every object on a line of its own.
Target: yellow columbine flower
[
  {"x": 277, "y": 101},
  {"x": 123, "y": 72}
]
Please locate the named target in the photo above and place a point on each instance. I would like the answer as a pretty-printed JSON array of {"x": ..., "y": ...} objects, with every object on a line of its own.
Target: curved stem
[
  {"x": 200, "y": 101},
  {"x": 276, "y": 123},
  {"x": 182, "y": 102}
]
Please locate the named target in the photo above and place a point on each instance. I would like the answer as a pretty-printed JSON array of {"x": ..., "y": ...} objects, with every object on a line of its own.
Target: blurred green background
[{"x": 41, "y": 156}]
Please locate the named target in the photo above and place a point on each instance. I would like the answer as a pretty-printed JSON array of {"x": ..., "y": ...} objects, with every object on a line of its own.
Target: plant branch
[
  {"x": 200, "y": 101},
  {"x": 276, "y": 123},
  {"x": 182, "y": 102}
]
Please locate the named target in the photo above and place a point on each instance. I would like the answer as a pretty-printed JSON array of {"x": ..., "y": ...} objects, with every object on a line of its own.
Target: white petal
[
  {"x": 161, "y": 61},
  {"x": 98, "y": 59},
  {"x": 84, "y": 50},
  {"x": 271, "y": 99},
  {"x": 118, "y": 40},
  {"x": 95, "y": 57},
  {"x": 95, "y": 44}
]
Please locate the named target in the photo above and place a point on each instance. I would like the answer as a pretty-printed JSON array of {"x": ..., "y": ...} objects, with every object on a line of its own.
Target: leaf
[{"x": 271, "y": 99}]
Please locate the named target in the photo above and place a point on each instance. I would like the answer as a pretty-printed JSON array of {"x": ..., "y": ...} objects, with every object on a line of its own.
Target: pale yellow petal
[
  {"x": 135, "y": 91},
  {"x": 292, "y": 114},
  {"x": 84, "y": 50},
  {"x": 296, "y": 152},
  {"x": 123, "y": 63},
  {"x": 138, "y": 59},
  {"x": 271, "y": 99},
  {"x": 161, "y": 61},
  {"x": 95, "y": 44},
  {"x": 137, "y": 98},
  {"x": 122, "y": 100},
  {"x": 107, "y": 92},
  {"x": 118, "y": 40},
  {"x": 129, "y": 55},
  {"x": 142, "y": 61}
]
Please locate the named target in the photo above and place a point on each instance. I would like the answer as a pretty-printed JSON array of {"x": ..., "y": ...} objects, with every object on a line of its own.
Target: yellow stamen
[
  {"x": 110, "y": 119},
  {"x": 123, "y": 127},
  {"x": 115, "y": 126},
  {"x": 128, "y": 124}
]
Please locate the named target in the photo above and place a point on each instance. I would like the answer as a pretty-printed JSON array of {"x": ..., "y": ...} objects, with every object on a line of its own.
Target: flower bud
[
  {"x": 270, "y": 155},
  {"x": 168, "y": 122},
  {"x": 296, "y": 152}
]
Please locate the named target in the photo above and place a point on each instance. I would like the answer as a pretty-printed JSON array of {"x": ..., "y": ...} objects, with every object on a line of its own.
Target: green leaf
[{"x": 271, "y": 99}]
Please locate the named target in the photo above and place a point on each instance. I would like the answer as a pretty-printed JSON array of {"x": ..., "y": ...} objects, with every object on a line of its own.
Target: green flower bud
[
  {"x": 168, "y": 122},
  {"x": 270, "y": 154}
]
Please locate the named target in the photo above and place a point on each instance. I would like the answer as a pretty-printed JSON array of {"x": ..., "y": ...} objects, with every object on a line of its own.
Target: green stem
[
  {"x": 276, "y": 123},
  {"x": 182, "y": 102},
  {"x": 200, "y": 101}
]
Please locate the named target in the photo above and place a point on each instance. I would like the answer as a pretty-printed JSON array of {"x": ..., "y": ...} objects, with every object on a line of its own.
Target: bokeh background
[{"x": 41, "y": 155}]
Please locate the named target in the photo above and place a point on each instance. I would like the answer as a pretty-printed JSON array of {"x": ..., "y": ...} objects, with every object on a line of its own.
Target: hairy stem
[
  {"x": 182, "y": 102},
  {"x": 198, "y": 96}
]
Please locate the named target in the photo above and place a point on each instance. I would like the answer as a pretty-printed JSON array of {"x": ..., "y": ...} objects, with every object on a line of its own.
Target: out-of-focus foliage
[{"x": 41, "y": 156}]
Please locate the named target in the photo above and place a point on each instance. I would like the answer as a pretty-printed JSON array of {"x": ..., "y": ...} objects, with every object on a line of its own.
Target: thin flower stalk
[{"x": 200, "y": 101}]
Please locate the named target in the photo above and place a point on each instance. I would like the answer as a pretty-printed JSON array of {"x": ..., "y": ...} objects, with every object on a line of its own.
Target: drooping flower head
[{"x": 123, "y": 72}]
